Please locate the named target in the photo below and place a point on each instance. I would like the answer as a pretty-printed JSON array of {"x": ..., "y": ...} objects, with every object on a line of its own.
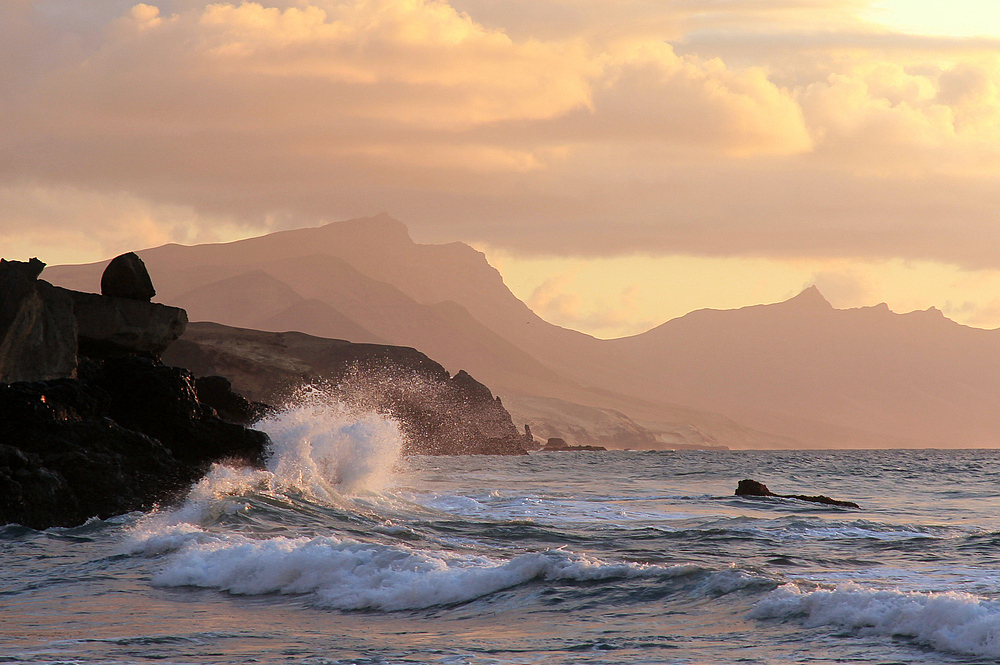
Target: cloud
[
  {"x": 771, "y": 128},
  {"x": 554, "y": 301},
  {"x": 61, "y": 224}
]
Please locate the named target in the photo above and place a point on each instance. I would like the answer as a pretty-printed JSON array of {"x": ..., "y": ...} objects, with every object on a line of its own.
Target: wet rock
[
  {"x": 126, "y": 277},
  {"x": 128, "y": 434},
  {"x": 748, "y": 487},
  {"x": 217, "y": 393}
]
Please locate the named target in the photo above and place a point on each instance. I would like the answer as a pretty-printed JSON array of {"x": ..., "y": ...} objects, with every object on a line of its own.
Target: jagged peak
[{"x": 810, "y": 297}]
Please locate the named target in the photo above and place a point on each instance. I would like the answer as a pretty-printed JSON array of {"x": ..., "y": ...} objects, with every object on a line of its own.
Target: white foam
[
  {"x": 348, "y": 574},
  {"x": 955, "y": 622},
  {"x": 323, "y": 447}
]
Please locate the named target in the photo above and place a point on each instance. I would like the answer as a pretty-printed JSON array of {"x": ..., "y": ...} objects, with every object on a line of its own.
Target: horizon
[{"x": 621, "y": 165}]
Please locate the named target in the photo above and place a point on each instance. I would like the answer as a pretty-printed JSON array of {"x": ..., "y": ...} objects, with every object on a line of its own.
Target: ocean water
[{"x": 344, "y": 552}]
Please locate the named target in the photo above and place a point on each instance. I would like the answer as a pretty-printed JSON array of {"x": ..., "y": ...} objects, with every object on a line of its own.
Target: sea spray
[
  {"x": 322, "y": 446},
  {"x": 321, "y": 450}
]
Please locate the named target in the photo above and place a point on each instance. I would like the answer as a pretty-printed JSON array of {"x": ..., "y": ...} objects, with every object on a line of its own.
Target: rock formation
[
  {"x": 126, "y": 277},
  {"x": 749, "y": 487},
  {"x": 37, "y": 326},
  {"x": 91, "y": 422},
  {"x": 559, "y": 444},
  {"x": 43, "y": 328},
  {"x": 109, "y": 326},
  {"x": 127, "y": 434},
  {"x": 438, "y": 413}
]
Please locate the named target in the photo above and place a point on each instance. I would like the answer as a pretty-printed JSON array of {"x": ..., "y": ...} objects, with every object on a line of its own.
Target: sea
[{"x": 343, "y": 551}]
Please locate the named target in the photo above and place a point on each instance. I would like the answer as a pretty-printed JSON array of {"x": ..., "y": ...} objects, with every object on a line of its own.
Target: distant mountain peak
[
  {"x": 382, "y": 227},
  {"x": 811, "y": 298}
]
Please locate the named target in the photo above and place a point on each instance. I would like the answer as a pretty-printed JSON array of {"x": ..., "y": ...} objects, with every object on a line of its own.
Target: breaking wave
[
  {"x": 955, "y": 622},
  {"x": 350, "y": 575}
]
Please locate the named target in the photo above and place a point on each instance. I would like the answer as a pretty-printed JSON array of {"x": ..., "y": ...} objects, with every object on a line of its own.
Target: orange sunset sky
[{"x": 621, "y": 162}]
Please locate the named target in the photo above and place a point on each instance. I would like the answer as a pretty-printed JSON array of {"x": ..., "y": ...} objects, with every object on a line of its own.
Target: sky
[{"x": 621, "y": 162}]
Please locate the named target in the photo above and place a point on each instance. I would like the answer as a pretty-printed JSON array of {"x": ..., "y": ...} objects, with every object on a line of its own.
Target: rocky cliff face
[
  {"x": 440, "y": 414},
  {"x": 91, "y": 422},
  {"x": 128, "y": 433}
]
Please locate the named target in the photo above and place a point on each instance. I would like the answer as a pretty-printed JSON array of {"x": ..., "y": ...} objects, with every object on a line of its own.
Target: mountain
[
  {"x": 829, "y": 377},
  {"x": 794, "y": 374}
]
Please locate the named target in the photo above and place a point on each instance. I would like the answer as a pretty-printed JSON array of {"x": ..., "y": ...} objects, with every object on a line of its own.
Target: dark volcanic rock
[
  {"x": 43, "y": 328},
  {"x": 439, "y": 414},
  {"x": 559, "y": 444},
  {"x": 82, "y": 437},
  {"x": 126, "y": 277},
  {"x": 108, "y": 326},
  {"x": 749, "y": 487},
  {"x": 37, "y": 326},
  {"x": 127, "y": 434},
  {"x": 217, "y": 392}
]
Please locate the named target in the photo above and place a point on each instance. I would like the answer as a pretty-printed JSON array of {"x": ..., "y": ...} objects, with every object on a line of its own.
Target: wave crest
[
  {"x": 350, "y": 575},
  {"x": 955, "y": 622}
]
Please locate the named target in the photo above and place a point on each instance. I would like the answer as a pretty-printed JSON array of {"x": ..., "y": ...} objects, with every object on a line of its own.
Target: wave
[
  {"x": 321, "y": 446},
  {"x": 346, "y": 574},
  {"x": 954, "y": 622},
  {"x": 322, "y": 452}
]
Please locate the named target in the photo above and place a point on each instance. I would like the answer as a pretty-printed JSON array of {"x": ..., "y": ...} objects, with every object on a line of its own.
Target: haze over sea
[{"x": 343, "y": 552}]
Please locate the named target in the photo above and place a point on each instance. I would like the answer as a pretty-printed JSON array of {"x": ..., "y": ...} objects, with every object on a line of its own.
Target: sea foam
[
  {"x": 955, "y": 622},
  {"x": 321, "y": 446},
  {"x": 342, "y": 573},
  {"x": 321, "y": 449}
]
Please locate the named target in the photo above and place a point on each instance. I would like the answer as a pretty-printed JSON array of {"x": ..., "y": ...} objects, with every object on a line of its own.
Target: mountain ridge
[{"x": 795, "y": 373}]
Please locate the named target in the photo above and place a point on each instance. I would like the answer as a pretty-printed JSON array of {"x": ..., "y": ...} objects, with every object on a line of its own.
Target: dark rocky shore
[
  {"x": 440, "y": 414},
  {"x": 91, "y": 422},
  {"x": 94, "y": 424}
]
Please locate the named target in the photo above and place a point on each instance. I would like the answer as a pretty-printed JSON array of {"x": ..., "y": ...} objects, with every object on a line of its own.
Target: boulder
[
  {"x": 126, "y": 277},
  {"x": 748, "y": 487},
  {"x": 37, "y": 326},
  {"x": 109, "y": 326}
]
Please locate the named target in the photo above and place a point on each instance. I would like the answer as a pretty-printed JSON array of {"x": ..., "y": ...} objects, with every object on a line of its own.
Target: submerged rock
[{"x": 748, "y": 487}]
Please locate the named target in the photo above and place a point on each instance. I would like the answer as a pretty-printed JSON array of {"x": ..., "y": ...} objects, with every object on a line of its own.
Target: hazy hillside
[
  {"x": 792, "y": 374},
  {"x": 791, "y": 366}
]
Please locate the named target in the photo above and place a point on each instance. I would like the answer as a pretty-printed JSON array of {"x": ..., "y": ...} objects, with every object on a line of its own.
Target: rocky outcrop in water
[
  {"x": 440, "y": 414},
  {"x": 557, "y": 444},
  {"x": 749, "y": 487},
  {"x": 92, "y": 424}
]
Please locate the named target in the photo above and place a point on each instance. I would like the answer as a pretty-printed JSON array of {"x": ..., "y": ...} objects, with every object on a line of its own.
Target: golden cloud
[{"x": 774, "y": 126}]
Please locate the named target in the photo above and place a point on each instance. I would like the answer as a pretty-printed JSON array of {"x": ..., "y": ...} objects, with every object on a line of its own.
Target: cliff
[{"x": 440, "y": 414}]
